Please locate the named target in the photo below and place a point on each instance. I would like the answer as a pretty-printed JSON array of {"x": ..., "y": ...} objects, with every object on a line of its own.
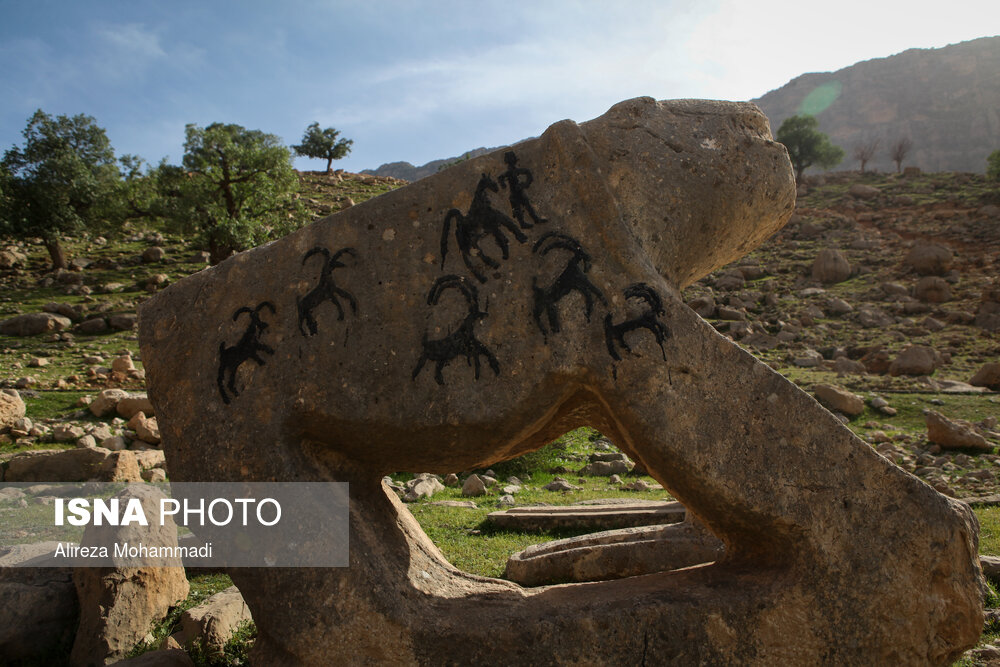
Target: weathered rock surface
[
  {"x": 118, "y": 604},
  {"x": 106, "y": 401},
  {"x": 954, "y": 433},
  {"x": 39, "y": 607},
  {"x": 481, "y": 346}
]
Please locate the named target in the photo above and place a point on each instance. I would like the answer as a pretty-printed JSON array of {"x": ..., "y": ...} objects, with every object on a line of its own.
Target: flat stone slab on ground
[
  {"x": 591, "y": 517},
  {"x": 613, "y": 554}
]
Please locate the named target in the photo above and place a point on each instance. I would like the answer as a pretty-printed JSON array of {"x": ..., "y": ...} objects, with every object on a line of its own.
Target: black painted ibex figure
[
  {"x": 572, "y": 279},
  {"x": 326, "y": 290},
  {"x": 481, "y": 220},
  {"x": 462, "y": 341},
  {"x": 247, "y": 348},
  {"x": 649, "y": 319}
]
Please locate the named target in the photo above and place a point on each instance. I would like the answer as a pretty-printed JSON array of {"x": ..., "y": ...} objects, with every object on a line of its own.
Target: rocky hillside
[
  {"x": 946, "y": 101},
  {"x": 407, "y": 172}
]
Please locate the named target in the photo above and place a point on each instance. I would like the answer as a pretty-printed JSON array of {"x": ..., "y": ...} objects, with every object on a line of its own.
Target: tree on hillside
[
  {"x": 234, "y": 190},
  {"x": 864, "y": 151},
  {"x": 61, "y": 182},
  {"x": 993, "y": 166},
  {"x": 899, "y": 150},
  {"x": 323, "y": 145},
  {"x": 806, "y": 145}
]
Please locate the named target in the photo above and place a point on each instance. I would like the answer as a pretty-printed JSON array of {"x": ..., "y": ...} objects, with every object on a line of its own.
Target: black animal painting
[
  {"x": 517, "y": 180},
  {"x": 325, "y": 290},
  {"x": 482, "y": 220},
  {"x": 248, "y": 347},
  {"x": 572, "y": 279},
  {"x": 614, "y": 334},
  {"x": 462, "y": 341}
]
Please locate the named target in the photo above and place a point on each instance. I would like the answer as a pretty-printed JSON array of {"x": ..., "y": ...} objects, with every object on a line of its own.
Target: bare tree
[
  {"x": 899, "y": 150},
  {"x": 864, "y": 151}
]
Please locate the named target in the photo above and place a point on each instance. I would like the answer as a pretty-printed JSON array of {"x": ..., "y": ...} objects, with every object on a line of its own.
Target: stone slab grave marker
[{"x": 486, "y": 310}]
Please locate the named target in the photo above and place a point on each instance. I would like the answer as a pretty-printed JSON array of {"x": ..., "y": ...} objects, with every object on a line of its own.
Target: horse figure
[{"x": 481, "y": 220}]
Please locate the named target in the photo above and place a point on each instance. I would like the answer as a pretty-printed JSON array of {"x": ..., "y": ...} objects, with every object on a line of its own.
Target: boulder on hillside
[
  {"x": 915, "y": 360},
  {"x": 954, "y": 433},
  {"x": 106, "y": 402},
  {"x": 215, "y": 620},
  {"x": 73, "y": 465},
  {"x": 12, "y": 259},
  {"x": 32, "y": 324},
  {"x": 932, "y": 289},
  {"x": 11, "y": 408},
  {"x": 39, "y": 609},
  {"x": 988, "y": 313},
  {"x": 929, "y": 259},
  {"x": 839, "y": 399},
  {"x": 831, "y": 266},
  {"x": 153, "y": 254},
  {"x": 862, "y": 191},
  {"x": 423, "y": 485},
  {"x": 987, "y": 376},
  {"x": 128, "y": 406}
]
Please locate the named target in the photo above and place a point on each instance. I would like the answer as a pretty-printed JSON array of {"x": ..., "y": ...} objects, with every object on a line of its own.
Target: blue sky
[{"x": 417, "y": 81}]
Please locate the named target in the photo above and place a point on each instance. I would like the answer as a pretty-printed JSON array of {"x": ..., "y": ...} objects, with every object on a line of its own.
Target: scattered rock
[
  {"x": 831, "y": 266},
  {"x": 987, "y": 376},
  {"x": 153, "y": 254},
  {"x": 473, "y": 487},
  {"x": 929, "y": 259},
  {"x": 214, "y": 620},
  {"x": 451, "y": 479},
  {"x": 128, "y": 406},
  {"x": 11, "y": 407},
  {"x": 106, "y": 402},
  {"x": 839, "y": 399},
  {"x": 94, "y": 325},
  {"x": 561, "y": 485},
  {"x": 915, "y": 360},
  {"x": 32, "y": 324},
  {"x": 73, "y": 465},
  {"x": 954, "y": 433},
  {"x": 123, "y": 364},
  {"x": 423, "y": 485},
  {"x": 932, "y": 289},
  {"x": 123, "y": 321},
  {"x": 862, "y": 191},
  {"x": 606, "y": 468}
]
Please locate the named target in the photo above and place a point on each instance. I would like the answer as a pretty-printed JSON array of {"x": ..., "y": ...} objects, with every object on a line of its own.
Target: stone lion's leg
[{"x": 785, "y": 484}]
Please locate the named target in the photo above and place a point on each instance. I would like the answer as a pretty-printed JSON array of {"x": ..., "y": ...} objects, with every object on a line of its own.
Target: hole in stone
[{"x": 577, "y": 509}]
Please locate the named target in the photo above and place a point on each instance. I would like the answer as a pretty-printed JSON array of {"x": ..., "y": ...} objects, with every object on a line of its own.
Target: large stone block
[{"x": 480, "y": 313}]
